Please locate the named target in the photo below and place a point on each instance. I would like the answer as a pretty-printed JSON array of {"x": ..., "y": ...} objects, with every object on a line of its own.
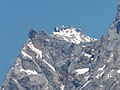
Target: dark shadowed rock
[{"x": 32, "y": 33}]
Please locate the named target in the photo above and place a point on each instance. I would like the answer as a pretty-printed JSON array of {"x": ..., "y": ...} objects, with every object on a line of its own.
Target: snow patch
[
  {"x": 71, "y": 35},
  {"x": 110, "y": 58},
  {"x": 93, "y": 49},
  {"x": 100, "y": 69},
  {"x": 2, "y": 88},
  {"x": 48, "y": 56},
  {"x": 25, "y": 54},
  {"x": 62, "y": 87},
  {"x": 83, "y": 46},
  {"x": 38, "y": 52},
  {"x": 82, "y": 71},
  {"x": 15, "y": 80},
  {"x": 46, "y": 88},
  {"x": 110, "y": 73},
  {"x": 49, "y": 65},
  {"x": 100, "y": 74},
  {"x": 86, "y": 55},
  {"x": 101, "y": 85},
  {"x": 97, "y": 76},
  {"x": 87, "y": 77},
  {"x": 29, "y": 72},
  {"x": 84, "y": 85},
  {"x": 118, "y": 71},
  {"x": 92, "y": 59}
]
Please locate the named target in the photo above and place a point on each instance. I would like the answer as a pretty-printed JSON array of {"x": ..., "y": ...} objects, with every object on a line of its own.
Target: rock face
[{"x": 67, "y": 60}]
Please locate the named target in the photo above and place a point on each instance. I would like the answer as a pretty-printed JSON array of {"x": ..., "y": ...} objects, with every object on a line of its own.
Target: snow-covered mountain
[{"x": 67, "y": 60}]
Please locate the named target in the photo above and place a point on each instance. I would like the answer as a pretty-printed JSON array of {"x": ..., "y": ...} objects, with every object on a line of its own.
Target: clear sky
[{"x": 17, "y": 16}]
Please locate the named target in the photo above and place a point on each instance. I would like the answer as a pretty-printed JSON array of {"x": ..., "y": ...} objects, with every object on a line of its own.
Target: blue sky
[{"x": 18, "y": 16}]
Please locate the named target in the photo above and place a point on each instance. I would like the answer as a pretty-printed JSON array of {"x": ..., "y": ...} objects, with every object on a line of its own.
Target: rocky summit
[{"x": 67, "y": 60}]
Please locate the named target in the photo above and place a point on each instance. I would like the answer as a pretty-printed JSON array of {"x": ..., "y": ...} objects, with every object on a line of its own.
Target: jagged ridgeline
[{"x": 67, "y": 60}]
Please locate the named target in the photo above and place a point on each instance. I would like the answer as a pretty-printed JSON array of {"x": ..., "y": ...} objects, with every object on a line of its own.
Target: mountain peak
[
  {"x": 115, "y": 26},
  {"x": 71, "y": 34},
  {"x": 56, "y": 63},
  {"x": 118, "y": 11}
]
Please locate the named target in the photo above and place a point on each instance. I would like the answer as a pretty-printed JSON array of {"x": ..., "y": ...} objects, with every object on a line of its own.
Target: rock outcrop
[{"x": 67, "y": 60}]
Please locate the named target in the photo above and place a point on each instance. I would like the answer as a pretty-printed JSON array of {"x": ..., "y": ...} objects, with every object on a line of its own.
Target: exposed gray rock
[{"x": 63, "y": 61}]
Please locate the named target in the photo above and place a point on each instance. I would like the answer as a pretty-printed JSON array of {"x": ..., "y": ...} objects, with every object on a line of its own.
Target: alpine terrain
[{"x": 67, "y": 60}]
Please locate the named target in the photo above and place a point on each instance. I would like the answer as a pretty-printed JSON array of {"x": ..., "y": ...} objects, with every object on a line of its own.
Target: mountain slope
[
  {"x": 44, "y": 63},
  {"x": 67, "y": 60}
]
